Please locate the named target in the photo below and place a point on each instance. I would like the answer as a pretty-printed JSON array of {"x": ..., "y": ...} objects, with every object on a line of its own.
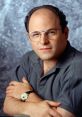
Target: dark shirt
[{"x": 63, "y": 83}]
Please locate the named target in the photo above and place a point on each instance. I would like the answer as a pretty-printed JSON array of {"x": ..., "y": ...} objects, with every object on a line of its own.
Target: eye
[
  {"x": 52, "y": 32},
  {"x": 35, "y": 34}
]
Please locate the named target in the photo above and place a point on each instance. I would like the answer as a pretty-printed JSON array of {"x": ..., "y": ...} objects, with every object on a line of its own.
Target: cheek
[
  {"x": 58, "y": 44},
  {"x": 55, "y": 43},
  {"x": 34, "y": 46}
]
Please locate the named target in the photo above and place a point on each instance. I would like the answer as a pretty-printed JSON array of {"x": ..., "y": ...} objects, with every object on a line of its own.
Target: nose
[{"x": 44, "y": 39}]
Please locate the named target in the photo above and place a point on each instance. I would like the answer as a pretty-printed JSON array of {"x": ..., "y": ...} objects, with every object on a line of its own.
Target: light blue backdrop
[{"x": 13, "y": 39}]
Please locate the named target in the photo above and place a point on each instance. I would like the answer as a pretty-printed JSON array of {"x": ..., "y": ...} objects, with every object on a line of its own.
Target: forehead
[
  {"x": 45, "y": 12},
  {"x": 43, "y": 18}
]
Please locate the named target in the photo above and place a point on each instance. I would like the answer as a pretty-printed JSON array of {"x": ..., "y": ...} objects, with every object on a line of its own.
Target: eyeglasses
[{"x": 36, "y": 35}]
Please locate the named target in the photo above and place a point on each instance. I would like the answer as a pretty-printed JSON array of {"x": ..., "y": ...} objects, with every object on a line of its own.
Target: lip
[{"x": 45, "y": 48}]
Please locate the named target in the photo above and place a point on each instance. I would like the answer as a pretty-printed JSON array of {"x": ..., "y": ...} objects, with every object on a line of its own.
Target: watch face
[{"x": 24, "y": 96}]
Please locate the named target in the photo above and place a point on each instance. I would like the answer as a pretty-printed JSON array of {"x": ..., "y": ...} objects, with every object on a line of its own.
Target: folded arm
[{"x": 34, "y": 106}]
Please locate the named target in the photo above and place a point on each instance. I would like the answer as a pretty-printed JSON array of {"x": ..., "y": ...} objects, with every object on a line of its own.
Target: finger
[
  {"x": 24, "y": 80},
  {"x": 9, "y": 92},
  {"x": 52, "y": 103},
  {"x": 10, "y": 87},
  {"x": 54, "y": 113},
  {"x": 13, "y": 83}
]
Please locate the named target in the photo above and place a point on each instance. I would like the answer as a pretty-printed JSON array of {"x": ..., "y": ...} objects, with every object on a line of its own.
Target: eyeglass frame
[{"x": 46, "y": 32}]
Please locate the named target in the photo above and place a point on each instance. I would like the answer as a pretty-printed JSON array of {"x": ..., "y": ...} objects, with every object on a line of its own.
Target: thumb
[{"x": 24, "y": 80}]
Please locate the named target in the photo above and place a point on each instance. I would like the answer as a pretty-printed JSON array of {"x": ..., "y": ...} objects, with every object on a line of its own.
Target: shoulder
[
  {"x": 75, "y": 65},
  {"x": 71, "y": 82},
  {"x": 72, "y": 68},
  {"x": 77, "y": 60},
  {"x": 73, "y": 57},
  {"x": 29, "y": 57},
  {"x": 71, "y": 60}
]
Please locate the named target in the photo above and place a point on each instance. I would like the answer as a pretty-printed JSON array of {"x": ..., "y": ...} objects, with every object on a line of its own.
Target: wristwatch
[{"x": 24, "y": 96}]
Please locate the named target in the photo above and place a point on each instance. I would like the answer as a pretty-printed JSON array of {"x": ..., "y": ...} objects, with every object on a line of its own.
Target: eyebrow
[{"x": 45, "y": 30}]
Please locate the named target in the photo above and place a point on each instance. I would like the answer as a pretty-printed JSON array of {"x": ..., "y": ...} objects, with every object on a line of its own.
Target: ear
[
  {"x": 66, "y": 32},
  {"x": 28, "y": 37}
]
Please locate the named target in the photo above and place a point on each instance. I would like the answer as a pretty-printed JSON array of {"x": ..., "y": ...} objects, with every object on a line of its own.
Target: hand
[
  {"x": 15, "y": 89},
  {"x": 54, "y": 106},
  {"x": 42, "y": 109}
]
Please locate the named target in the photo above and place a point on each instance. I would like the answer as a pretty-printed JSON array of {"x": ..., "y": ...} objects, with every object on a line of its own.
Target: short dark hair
[{"x": 54, "y": 9}]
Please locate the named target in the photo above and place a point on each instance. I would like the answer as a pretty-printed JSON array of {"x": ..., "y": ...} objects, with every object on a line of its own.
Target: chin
[{"x": 46, "y": 57}]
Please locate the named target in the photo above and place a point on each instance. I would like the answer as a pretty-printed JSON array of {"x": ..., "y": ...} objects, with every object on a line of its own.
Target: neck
[{"x": 48, "y": 64}]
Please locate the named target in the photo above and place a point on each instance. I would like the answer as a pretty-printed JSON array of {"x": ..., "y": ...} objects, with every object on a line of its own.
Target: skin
[
  {"x": 13, "y": 92},
  {"x": 38, "y": 23},
  {"x": 49, "y": 51}
]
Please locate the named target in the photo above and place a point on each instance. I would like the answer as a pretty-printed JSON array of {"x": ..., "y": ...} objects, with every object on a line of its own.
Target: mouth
[{"x": 45, "y": 49}]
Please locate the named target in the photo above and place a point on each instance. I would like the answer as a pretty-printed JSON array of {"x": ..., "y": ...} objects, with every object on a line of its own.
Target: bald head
[
  {"x": 43, "y": 19},
  {"x": 55, "y": 10}
]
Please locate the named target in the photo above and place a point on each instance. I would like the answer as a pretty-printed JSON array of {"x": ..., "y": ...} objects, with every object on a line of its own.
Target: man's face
[{"x": 50, "y": 40}]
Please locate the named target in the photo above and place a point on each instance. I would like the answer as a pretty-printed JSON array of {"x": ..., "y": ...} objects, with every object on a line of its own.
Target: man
[{"x": 51, "y": 75}]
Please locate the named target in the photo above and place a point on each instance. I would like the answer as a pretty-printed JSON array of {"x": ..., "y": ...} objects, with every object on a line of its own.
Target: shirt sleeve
[
  {"x": 71, "y": 89},
  {"x": 21, "y": 69}
]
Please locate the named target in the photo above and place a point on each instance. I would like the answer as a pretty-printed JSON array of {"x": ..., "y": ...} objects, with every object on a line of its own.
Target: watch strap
[
  {"x": 25, "y": 95},
  {"x": 28, "y": 92}
]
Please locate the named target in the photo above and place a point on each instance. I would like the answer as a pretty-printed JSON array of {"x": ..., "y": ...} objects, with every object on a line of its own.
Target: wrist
[
  {"x": 24, "y": 96},
  {"x": 33, "y": 97}
]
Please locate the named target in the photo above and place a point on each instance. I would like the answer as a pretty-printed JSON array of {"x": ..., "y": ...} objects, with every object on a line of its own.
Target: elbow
[{"x": 5, "y": 109}]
